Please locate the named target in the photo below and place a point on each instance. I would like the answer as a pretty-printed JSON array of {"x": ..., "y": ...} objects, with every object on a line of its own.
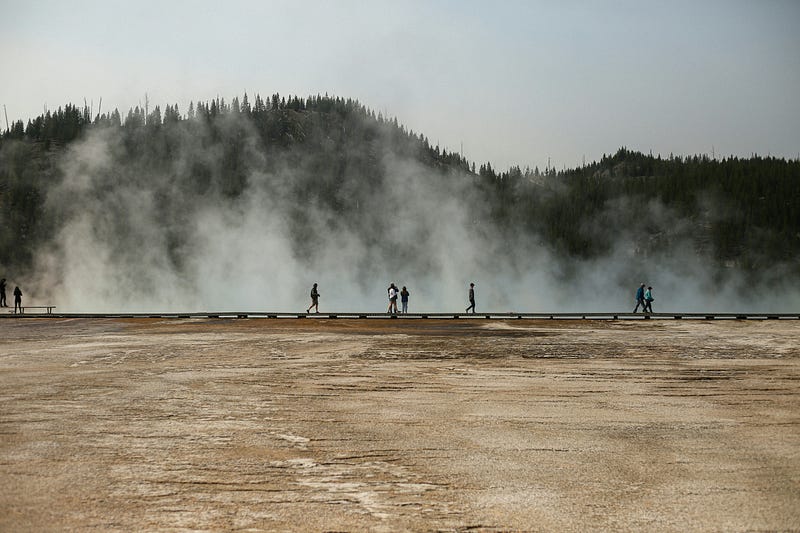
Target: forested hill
[
  {"x": 741, "y": 213},
  {"x": 331, "y": 151},
  {"x": 335, "y": 165}
]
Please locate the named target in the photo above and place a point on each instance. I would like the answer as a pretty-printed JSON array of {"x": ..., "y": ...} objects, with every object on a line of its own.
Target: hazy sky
[{"x": 515, "y": 81}]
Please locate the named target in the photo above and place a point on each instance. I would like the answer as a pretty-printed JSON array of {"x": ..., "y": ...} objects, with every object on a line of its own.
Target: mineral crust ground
[{"x": 386, "y": 425}]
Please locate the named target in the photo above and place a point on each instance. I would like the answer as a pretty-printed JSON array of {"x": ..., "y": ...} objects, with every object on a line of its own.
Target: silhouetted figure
[
  {"x": 640, "y": 299},
  {"x": 314, "y": 299},
  {"x": 404, "y": 299},
  {"x": 648, "y": 298},
  {"x": 3, "y": 293},
  {"x": 392, "y": 299},
  {"x": 17, "y": 300},
  {"x": 471, "y": 298}
]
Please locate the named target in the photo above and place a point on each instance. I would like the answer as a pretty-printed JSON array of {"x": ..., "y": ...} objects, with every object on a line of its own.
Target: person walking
[
  {"x": 314, "y": 299},
  {"x": 404, "y": 299},
  {"x": 471, "y": 298},
  {"x": 392, "y": 299},
  {"x": 648, "y": 298},
  {"x": 640, "y": 299},
  {"x": 3, "y": 293},
  {"x": 17, "y": 300}
]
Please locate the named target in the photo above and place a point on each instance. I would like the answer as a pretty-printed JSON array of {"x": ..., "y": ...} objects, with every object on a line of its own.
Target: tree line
[{"x": 740, "y": 214}]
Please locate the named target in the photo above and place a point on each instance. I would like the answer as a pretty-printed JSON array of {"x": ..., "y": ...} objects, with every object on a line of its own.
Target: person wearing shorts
[{"x": 314, "y": 299}]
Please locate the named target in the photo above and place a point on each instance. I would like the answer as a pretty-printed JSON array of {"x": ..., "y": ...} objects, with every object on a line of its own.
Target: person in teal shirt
[{"x": 648, "y": 298}]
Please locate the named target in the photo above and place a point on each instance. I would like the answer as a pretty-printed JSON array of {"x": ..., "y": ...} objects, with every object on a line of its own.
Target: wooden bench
[{"x": 48, "y": 308}]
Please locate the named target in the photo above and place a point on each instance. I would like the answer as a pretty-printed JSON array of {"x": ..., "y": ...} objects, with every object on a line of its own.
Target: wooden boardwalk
[{"x": 417, "y": 316}]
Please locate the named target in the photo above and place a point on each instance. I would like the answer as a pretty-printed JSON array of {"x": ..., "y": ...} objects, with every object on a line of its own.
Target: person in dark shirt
[
  {"x": 3, "y": 302},
  {"x": 17, "y": 299},
  {"x": 471, "y": 298},
  {"x": 404, "y": 299},
  {"x": 314, "y": 299}
]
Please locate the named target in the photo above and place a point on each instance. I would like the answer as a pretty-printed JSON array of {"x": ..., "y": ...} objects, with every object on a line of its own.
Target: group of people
[
  {"x": 394, "y": 293},
  {"x": 17, "y": 296},
  {"x": 644, "y": 297}
]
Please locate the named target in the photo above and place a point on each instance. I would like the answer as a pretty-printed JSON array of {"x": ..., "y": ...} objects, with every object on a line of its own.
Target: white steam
[{"x": 116, "y": 251}]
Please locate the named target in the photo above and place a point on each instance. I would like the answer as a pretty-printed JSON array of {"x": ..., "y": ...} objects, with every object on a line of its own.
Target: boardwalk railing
[
  {"x": 37, "y": 309},
  {"x": 408, "y": 316}
]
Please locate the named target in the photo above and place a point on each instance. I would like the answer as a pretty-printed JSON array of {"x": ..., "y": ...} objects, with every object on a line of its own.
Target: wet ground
[{"x": 387, "y": 425}]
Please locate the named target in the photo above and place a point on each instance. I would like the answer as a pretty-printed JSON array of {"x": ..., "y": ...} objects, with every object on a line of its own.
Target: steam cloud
[{"x": 118, "y": 249}]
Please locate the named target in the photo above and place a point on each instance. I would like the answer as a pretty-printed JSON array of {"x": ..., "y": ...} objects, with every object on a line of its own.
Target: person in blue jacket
[{"x": 640, "y": 299}]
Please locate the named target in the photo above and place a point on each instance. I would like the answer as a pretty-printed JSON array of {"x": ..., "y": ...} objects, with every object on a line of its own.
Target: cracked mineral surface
[{"x": 387, "y": 425}]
